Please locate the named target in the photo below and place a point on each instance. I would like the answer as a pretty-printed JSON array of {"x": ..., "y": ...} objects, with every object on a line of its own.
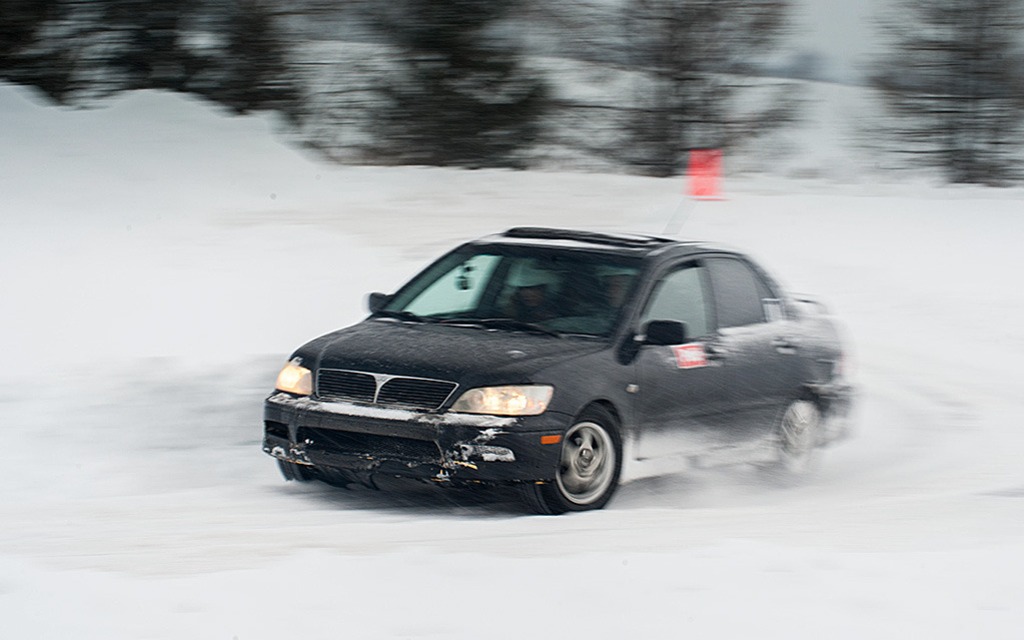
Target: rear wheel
[
  {"x": 588, "y": 470},
  {"x": 797, "y": 437}
]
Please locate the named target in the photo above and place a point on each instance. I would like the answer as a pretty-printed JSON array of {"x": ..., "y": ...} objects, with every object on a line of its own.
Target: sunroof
[{"x": 624, "y": 240}]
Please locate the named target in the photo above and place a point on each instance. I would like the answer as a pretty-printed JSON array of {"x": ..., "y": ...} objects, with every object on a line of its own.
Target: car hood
[{"x": 468, "y": 355}]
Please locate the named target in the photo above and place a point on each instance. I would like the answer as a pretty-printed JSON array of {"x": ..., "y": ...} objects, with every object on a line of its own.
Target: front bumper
[{"x": 359, "y": 441}]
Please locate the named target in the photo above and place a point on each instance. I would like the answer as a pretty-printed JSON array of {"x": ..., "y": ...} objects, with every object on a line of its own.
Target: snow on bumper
[{"x": 438, "y": 446}]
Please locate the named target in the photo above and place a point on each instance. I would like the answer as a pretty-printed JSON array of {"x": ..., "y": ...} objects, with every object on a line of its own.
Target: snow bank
[{"x": 158, "y": 261}]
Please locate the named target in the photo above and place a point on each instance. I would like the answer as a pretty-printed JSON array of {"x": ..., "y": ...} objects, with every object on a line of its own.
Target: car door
[
  {"x": 682, "y": 396},
  {"x": 754, "y": 345}
]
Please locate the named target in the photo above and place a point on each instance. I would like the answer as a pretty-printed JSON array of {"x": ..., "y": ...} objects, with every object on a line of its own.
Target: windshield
[{"x": 519, "y": 289}]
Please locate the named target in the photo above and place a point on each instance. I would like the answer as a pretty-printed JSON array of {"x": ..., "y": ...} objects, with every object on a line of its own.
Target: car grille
[
  {"x": 346, "y": 385},
  {"x": 359, "y": 386}
]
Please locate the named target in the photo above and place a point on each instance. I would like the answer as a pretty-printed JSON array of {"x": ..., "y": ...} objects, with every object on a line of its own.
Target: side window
[
  {"x": 456, "y": 291},
  {"x": 741, "y": 295},
  {"x": 680, "y": 296}
]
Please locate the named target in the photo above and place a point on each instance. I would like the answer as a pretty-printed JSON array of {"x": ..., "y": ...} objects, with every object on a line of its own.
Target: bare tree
[
  {"x": 694, "y": 61},
  {"x": 953, "y": 82}
]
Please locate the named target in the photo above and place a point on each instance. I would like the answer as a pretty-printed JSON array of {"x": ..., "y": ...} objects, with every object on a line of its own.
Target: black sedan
[{"x": 558, "y": 360}]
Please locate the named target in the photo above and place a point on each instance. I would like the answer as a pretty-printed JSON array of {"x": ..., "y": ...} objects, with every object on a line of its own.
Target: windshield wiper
[
  {"x": 407, "y": 316},
  {"x": 509, "y": 324}
]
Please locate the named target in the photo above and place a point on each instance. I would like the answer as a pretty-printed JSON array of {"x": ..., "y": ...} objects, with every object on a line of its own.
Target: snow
[{"x": 159, "y": 262}]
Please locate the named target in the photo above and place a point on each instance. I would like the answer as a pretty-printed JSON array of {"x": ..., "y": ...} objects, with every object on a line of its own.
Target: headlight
[
  {"x": 294, "y": 378},
  {"x": 512, "y": 400}
]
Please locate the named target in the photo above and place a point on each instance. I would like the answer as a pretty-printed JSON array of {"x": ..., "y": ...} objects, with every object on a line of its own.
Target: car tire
[
  {"x": 292, "y": 471},
  {"x": 590, "y": 463},
  {"x": 797, "y": 436}
]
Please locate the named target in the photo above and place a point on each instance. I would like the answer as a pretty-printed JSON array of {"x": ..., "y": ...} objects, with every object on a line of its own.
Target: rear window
[{"x": 739, "y": 292}]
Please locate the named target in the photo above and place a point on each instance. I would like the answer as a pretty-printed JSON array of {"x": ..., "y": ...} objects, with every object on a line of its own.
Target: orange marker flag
[{"x": 704, "y": 173}]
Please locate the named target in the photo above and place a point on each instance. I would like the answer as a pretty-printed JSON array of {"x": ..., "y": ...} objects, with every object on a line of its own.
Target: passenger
[{"x": 534, "y": 297}]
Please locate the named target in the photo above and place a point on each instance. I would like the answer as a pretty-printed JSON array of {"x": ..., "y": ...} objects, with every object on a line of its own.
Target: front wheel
[{"x": 588, "y": 470}]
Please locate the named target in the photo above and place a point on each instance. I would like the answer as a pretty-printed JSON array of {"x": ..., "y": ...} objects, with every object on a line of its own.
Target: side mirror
[
  {"x": 665, "y": 332},
  {"x": 377, "y": 300}
]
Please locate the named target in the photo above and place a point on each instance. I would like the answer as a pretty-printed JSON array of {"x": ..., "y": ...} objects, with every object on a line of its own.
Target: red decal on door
[{"x": 690, "y": 356}]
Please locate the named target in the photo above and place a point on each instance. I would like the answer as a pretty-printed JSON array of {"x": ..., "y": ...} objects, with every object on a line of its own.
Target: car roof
[{"x": 621, "y": 243}]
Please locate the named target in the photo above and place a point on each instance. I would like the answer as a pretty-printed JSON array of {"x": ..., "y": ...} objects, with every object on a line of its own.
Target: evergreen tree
[
  {"x": 19, "y": 23},
  {"x": 249, "y": 69},
  {"x": 24, "y": 57},
  {"x": 149, "y": 52},
  {"x": 953, "y": 82},
  {"x": 461, "y": 97}
]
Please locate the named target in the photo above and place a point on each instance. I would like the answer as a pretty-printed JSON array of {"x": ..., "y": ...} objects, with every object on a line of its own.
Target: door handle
[
  {"x": 785, "y": 344},
  {"x": 715, "y": 351}
]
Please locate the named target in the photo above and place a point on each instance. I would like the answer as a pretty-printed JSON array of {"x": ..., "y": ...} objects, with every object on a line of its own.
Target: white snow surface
[{"x": 159, "y": 261}]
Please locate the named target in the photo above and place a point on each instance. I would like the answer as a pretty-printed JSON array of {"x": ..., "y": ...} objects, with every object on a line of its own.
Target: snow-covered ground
[{"x": 159, "y": 261}]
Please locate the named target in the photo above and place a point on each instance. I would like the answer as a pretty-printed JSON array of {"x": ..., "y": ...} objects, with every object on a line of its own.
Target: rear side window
[
  {"x": 680, "y": 296},
  {"x": 739, "y": 292}
]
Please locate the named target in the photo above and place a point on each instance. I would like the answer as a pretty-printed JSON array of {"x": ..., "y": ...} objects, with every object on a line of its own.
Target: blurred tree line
[
  {"x": 953, "y": 83},
  {"x": 79, "y": 51},
  {"x": 609, "y": 84},
  {"x": 474, "y": 83}
]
